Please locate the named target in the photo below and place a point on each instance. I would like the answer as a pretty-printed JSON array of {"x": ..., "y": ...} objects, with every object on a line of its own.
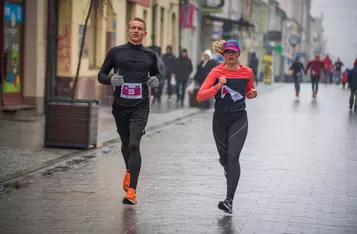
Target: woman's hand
[
  {"x": 222, "y": 81},
  {"x": 253, "y": 93}
]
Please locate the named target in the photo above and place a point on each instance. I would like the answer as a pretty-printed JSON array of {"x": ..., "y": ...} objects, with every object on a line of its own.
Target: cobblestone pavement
[{"x": 299, "y": 175}]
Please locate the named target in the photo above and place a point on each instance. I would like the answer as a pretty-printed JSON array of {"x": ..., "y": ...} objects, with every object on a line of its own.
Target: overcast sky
[{"x": 340, "y": 24}]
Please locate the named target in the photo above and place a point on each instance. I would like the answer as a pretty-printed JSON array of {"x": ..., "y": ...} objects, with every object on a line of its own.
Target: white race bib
[
  {"x": 131, "y": 91},
  {"x": 234, "y": 94}
]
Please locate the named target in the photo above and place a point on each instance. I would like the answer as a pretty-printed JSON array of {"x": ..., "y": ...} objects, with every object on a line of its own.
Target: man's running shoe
[
  {"x": 126, "y": 181},
  {"x": 351, "y": 107},
  {"x": 297, "y": 94},
  {"x": 226, "y": 205},
  {"x": 355, "y": 108},
  {"x": 130, "y": 197}
]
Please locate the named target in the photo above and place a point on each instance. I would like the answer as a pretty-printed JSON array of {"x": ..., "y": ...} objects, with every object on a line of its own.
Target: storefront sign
[
  {"x": 212, "y": 6},
  {"x": 145, "y": 3}
]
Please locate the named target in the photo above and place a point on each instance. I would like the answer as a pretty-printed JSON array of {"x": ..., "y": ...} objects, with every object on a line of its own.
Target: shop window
[
  {"x": 91, "y": 36},
  {"x": 111, "y": 28}
]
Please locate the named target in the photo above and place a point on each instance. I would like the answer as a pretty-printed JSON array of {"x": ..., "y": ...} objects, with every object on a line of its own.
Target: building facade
[
  {"x": 106, "y": 29},
  {"x": 23, "y": 31}
]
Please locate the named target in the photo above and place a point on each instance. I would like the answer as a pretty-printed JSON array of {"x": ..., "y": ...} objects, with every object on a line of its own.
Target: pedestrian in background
[
  {"x": 253, "y": 64},
  {"x": 183, "y": 69},
  {"x": 352, "y": 80},
  {"x": 203, "y": 69},
  {"x": 169, "y": 60},
  {"x": 157, "y": 92},
  {"x": 317, "y": 67},
  {"x": 297, "y": 69}
]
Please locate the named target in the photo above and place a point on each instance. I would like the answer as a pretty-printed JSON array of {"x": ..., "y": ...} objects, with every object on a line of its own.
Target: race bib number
[
  {"x": 234, "y": 94},
  {"x": 131, "y": 91}
]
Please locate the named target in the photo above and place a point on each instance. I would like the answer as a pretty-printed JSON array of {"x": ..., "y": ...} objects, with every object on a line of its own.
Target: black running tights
[
  {"x": 131, "y": 123},
  {"x": 230, "y": 136}
]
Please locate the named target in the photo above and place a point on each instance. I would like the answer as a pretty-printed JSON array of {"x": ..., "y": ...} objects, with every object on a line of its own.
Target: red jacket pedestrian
[{"x": 316, "y": 65}]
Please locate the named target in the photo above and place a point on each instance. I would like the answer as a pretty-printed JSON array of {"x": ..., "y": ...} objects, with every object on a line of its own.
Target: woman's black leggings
[
  {"x": 131, "y": 123},
  {"x": 230, "y": 133}
]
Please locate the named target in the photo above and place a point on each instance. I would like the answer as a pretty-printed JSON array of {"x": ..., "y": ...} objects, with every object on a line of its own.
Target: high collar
[{"x": 134, "y": 46}]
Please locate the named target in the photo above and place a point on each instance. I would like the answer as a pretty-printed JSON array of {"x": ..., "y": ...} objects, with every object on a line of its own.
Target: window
[{"x": 91, "y": 36}]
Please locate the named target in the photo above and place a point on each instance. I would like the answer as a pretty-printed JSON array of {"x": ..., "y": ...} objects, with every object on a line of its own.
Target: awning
[{"x": 241, "y": 22}]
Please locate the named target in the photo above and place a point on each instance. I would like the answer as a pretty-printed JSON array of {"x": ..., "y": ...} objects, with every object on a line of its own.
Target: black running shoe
[{"x": 226, "y": 205}]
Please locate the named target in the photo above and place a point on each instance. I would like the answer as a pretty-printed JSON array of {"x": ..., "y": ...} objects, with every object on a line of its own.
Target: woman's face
[
  {"x": 205, "y": 57},
  {"x": 230, "y": 56}
]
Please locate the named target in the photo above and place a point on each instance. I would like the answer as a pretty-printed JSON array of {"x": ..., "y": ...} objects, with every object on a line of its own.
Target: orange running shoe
[
  {"x": 130, "y": 197},
  {"x": 126, "y": 181}
]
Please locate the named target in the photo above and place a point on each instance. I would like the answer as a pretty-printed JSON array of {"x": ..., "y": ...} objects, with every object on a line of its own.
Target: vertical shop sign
[{"x": 13, "y": 15}]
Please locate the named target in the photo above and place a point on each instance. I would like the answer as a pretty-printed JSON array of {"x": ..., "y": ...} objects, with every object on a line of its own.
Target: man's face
[
  {"x": 184, "y": 54},
  {"x": 136, "y": 31}
]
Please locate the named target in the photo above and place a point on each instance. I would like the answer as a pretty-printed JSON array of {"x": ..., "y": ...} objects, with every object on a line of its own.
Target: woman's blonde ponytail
[{"x": 217, "y": 46}]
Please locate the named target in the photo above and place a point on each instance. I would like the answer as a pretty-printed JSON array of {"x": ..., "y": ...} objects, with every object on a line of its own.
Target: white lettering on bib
[
  {"x": 131, "y": 91},
  {"x": 234, "y": 94}
]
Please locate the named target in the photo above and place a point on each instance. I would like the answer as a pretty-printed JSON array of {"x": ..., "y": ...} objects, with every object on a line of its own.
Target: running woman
[
  {"x": 317, "y": 67},
  {"x": 131, "y": 63},
  {"x": 297, "y": 68},
  {"x": 230, "y": 83}
]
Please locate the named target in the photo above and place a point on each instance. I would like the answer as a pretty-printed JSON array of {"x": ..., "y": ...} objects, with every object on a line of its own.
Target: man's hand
[
  {"x": 117, "y": 80},
  {"x": 253, "y": 93},
  {"x": 153, "y": 82}
]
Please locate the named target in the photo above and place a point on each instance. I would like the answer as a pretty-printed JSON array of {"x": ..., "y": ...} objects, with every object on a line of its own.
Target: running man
[
  {"x": 317, "y": 67},
  {"x": 297, "y": 68},
  {"x": 338, "y": 68},
  {"x": 132, "y": 63},
  {"x": 230, "y": 83}
]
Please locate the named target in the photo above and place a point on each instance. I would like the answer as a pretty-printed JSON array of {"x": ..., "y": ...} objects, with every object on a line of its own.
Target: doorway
[{"x": 11, "y": 51}]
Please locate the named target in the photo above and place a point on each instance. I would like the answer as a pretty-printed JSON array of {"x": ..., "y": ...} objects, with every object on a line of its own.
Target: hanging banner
[{"x": 187, "y": 15}]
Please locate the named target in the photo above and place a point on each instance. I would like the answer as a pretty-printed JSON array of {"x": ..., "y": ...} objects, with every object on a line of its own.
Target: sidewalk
[{"x": 21, "y": 143}]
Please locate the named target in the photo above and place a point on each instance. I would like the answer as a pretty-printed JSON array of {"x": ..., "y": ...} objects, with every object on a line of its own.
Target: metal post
[{"x": 51, "y": 51}]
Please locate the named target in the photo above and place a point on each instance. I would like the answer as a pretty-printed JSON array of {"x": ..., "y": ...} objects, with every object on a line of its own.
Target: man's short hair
[{"x": 139, "y": 20}]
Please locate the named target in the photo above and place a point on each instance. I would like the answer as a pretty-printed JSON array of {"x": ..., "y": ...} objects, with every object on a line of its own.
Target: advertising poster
[{"x": 12, "y": 28}]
